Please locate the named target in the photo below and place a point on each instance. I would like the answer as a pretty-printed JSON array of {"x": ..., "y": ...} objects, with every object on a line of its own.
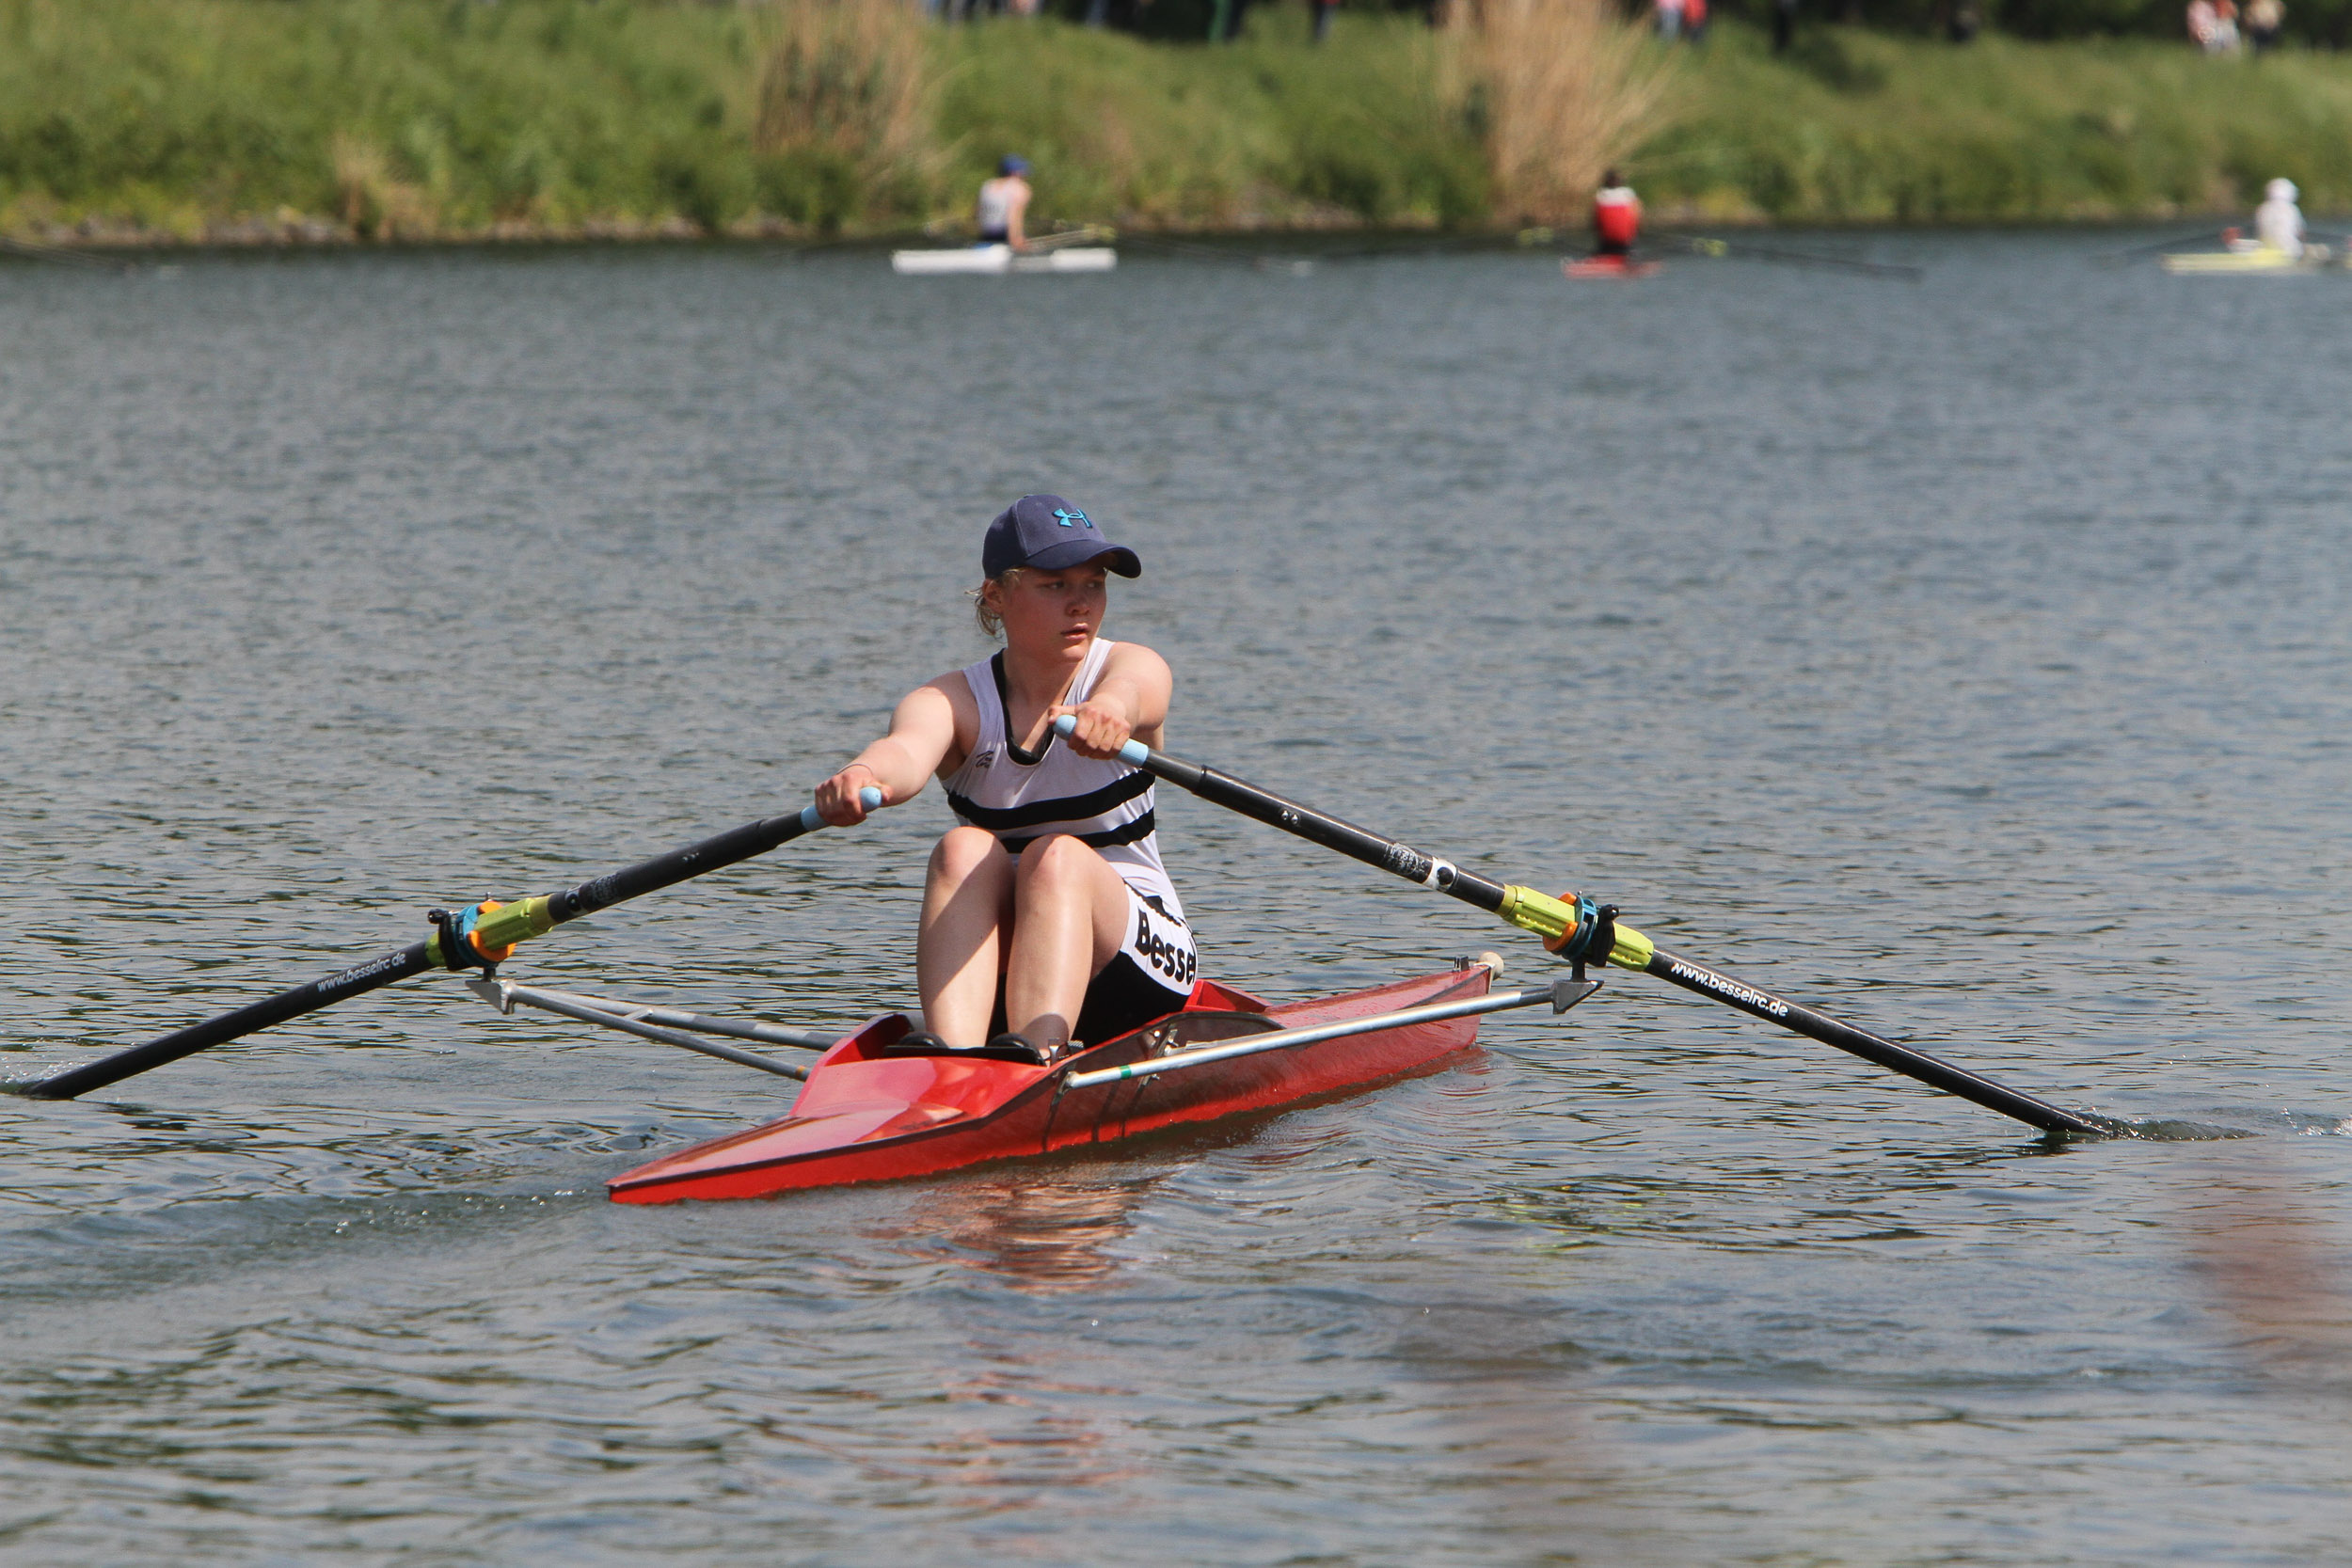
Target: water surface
[{"x": 1968, "y": 658}]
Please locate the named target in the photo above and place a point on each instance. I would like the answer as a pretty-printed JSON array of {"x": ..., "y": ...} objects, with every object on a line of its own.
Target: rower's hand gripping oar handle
[
  {"x": 1583, "y": 932},
  {"x": 483, "y": 937},
  {"x": 478, "y": 939},
  {"x": 1580, "y": 931}
]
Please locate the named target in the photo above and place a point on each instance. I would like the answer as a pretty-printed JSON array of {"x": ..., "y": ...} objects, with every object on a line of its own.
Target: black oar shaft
[
  {"x": 1523, "y": 907},
  {"x": 1332, "y": 832},
  {"x": 720, "y": 849},
  {"x": 501, "y": 928},
  {"x": 339, "y": 986},
  {"x": 1931, "y": 1071}
]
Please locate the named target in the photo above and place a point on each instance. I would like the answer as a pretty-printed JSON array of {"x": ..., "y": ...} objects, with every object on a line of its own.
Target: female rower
[
  {"x": 1047, "y": 916},
  {"x": 1004, "y": 204}
]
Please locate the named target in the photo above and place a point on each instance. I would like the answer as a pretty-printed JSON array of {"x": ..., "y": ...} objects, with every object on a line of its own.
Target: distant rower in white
[{"x": 2278, "y": 222}]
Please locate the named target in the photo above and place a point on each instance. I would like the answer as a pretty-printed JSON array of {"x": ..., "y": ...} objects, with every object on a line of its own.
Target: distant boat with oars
[{"x": 1069, "y": 252}]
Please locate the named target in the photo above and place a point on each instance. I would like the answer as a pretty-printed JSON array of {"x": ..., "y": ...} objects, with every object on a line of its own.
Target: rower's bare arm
[
  {"x": 1017, "y": 218},
  {"x": 1129, "y": 703},
  {"x": 922, "y": 733}
]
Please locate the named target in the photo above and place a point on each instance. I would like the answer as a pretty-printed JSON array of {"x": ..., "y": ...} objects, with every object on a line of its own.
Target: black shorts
[
  {"x": 1148, "y": 978},
  {"x": 1123, "y": 996}
]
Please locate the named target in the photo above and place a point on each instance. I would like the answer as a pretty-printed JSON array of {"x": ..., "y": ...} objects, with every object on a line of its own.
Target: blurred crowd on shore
[
  {"x": 1684, "y": 20},
  {"x": 2218, "y": 27}
]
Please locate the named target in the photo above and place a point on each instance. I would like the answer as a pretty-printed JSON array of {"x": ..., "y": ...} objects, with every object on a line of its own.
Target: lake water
[{"x": 1972, "y": 658}]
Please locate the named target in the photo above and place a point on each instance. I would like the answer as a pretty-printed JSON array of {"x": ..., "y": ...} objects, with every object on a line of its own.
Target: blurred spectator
[
  {"x": 1694, "y": 20},
  {"x": 1785, "y": 24},
  {"x": 1967, "y": 22},
  {"x": 2213, "y": 23},
  {"x": 1669, "y": 19},
  {"x": 2263, "y": 18},
  {"x": 1323, "y": 9}
]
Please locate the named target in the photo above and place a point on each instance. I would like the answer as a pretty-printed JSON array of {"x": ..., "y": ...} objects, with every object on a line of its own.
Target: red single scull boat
[
  {"x": 1607, "y": 267},
  {"x": 867, "y": 1114}
]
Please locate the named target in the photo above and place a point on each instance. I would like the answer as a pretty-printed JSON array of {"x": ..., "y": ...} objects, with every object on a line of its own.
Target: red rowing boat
[
  {"x": 865, "y": 1115},
  {"x": 1607, "y": 267}
]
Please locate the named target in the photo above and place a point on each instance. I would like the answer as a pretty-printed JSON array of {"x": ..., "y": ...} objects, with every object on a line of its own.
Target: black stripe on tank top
[
  {"x": 1126, "y": 832},
  {"x": 1069, "y": 808}
]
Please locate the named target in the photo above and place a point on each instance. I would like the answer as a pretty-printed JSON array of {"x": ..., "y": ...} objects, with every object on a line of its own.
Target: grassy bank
[
  {"x": 444, "y": 119},
  {"x": 210, "y": 118},
  {"x": 1854, "y": 127},
  {"x": 228, "y": 120}
]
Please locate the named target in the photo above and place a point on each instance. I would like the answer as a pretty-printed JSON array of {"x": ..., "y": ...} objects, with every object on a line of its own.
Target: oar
[
  {"x": 478, "y": 938},
  {"x": 1088, "y": 234},
  {"x": 2117, "y": 257},
  {"x": 1583, "y": 932},
  {"x": 1702, "y": 245},
  {"x": 33, "y": 250},
  {"x": 1155, "y": 244}
]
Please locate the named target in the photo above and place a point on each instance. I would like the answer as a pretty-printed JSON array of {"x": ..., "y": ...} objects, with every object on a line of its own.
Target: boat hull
[
  {"x": 866, "y": 1115},
  {"x": 2242, "y": 263},
  {"x": 1607, "y": 267},
  {"x": 989, "y": 259}
]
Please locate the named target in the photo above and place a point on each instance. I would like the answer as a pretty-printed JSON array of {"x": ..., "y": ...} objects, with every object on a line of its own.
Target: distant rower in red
[{"x": 1616, "y": 218}]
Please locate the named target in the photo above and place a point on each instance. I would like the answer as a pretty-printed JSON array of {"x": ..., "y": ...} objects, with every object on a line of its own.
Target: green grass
[
  {"x": 1854, "y": 127},
  {"x": 178, "y": 115},
  {"x": 421, "y": 118},
  {"x": 218, "y": 119}
]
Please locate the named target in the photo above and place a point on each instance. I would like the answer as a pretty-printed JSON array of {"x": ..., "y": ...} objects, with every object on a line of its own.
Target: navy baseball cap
[{"x": 1049, "y": 533}]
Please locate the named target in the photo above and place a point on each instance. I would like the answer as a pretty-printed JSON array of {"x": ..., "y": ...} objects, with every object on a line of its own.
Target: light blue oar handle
[
  {"x": 869, "y": 797},
  {"x": 1135, "y": 751}
]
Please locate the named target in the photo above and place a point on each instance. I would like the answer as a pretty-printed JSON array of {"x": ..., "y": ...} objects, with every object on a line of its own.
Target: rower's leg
[
  {"x": 960, "y": 951},
  {"x": 1070, "y": 916}
]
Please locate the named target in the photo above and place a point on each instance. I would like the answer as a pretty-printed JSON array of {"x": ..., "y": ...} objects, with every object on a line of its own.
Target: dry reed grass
[
  {"x": 847, "y": 79},
  {"x": 374, "y": 202},
  {"x": 1569, "y": 90}
]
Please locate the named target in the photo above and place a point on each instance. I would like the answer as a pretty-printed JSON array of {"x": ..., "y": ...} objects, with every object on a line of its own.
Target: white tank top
[
  {"x": 1022, "y": 796},
  {"x": 996, "y": 207},
  {"x": 2280, "y": 226}
]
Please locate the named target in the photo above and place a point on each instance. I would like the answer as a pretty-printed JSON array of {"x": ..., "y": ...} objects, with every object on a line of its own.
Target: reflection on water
[{"x": 1043, "y": 1227}]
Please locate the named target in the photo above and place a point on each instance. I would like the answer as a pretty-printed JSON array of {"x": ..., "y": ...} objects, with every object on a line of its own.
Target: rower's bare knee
[
  {"x": 963, "y": 852},
  {"x": 1063, "y": 873},
  {"x": 1057, "y": 866}
]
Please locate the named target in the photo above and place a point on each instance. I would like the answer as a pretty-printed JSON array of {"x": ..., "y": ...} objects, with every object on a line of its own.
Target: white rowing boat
[{"x": 993, "y": 258}]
